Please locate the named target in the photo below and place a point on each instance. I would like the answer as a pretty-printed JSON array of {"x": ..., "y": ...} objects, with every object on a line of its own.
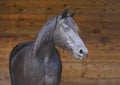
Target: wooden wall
[{"x": 98, "y": 20}]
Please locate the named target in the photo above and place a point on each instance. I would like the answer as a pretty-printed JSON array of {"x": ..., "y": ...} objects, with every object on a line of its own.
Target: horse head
[{"x": 66, "y": 35}]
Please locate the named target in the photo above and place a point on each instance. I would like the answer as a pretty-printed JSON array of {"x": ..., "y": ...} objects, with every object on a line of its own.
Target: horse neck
[
  {"x": 45, "y": 50},
  {"x": 44, "y": 40}
]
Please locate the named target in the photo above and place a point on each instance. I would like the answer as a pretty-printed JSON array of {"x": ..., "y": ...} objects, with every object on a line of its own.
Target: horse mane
[
  {"x": 47, "y": 30},
  {"x": 45, "y": 34}
]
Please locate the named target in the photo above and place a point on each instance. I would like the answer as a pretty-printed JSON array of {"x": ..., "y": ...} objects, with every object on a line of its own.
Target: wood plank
[
  {"x": 4, "y": 77},
  {"x": 81, "y": 18},
  {"x": 13, "y": 40},
  {"x": 92, "y": 57},
  {"x": 22, "y": 17},
  {"x": 5, "y": 82},
  {"x": 98, "y": 11},
  {"x": 86, "y": 3},
  {"x": 79, "y": 81},
  {"x": 103, "y": 54},
  {"x": 4, "y": 63},
  {"x": 5, "y": 50},
  {"x": 50, "y": 3},
  {"x": 90, "y": 70},
  {"x": 97, "y": 70},
  {"x": 95, "y": 57},
  {"x": 103, "y": 39},
  {"x": 4, "y": 56},
  {"x": 4, "y": 70},
  {"x": 96, "y": 42},
  {"x": 102, "y": 47},
  {"x": 42, "y": 17},
  {"x": 40, "y": 10},
  {"x": 26, "y": 28},
  {"x": 33, "y": 29},
  {"x": 90, "y": 81},
  {"x": 98, "y": 27},
  {"x": 37, "y": 24}
]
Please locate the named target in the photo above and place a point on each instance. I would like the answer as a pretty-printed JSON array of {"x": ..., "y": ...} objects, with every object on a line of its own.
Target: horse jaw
[{"x": 75, "y": 44}]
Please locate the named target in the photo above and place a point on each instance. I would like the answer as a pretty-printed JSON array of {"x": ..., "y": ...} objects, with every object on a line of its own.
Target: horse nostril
[{"x": 81, "y": 51}]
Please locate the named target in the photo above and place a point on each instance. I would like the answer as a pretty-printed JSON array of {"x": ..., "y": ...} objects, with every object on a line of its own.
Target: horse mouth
[{"x": 80, "y": 56}]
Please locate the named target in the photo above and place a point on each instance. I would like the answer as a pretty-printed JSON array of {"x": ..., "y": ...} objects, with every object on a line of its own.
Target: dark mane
[{"x": 45, "y": 33}]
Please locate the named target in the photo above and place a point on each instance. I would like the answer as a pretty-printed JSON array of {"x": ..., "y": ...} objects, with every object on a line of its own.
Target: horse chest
[
  {"x": 51, "y": 75},
  {"x": 50, "y": 67},
  {"x": 47, "y": 72},
  {"x": 49, "y": 79}
]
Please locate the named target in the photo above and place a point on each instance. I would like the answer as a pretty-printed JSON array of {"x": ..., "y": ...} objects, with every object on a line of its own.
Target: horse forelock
[{"x": 70, "y": 21}]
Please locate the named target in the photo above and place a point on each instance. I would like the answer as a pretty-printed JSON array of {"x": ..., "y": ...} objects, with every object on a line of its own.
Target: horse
[{"x": 38, "y": 62}]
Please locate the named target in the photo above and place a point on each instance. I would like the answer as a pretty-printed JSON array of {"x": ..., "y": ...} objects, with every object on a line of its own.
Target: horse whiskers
[{"x": 84, "y": 64}]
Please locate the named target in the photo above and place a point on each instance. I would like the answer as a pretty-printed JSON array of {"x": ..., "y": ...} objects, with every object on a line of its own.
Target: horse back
[{"x": 17, "y": 48}]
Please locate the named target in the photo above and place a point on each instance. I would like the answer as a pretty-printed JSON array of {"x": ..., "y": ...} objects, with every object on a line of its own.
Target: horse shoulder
[{"x": 16, "y": 50}]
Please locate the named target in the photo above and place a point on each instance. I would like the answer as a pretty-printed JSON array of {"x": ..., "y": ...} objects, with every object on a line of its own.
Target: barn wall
[{"x": 98, "y": 20}]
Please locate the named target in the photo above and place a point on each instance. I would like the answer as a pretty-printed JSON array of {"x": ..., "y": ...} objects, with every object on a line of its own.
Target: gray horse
[{"x": 38, "y": 62}]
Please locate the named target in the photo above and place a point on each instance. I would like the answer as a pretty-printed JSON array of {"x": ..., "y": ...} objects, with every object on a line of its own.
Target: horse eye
[{"x": 66, "y": 29}]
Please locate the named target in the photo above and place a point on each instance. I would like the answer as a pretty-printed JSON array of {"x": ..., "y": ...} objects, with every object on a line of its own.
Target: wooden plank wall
[{"x": 98, "y": 20}]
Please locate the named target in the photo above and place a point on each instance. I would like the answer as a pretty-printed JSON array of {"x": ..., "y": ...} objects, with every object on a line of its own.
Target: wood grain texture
[{"x": 99, "y": 24}]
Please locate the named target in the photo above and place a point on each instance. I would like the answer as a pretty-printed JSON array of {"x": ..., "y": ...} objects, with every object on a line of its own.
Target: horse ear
[
  {"x": 65, "y": 12},
  {"x": 73, "y": 13}
]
